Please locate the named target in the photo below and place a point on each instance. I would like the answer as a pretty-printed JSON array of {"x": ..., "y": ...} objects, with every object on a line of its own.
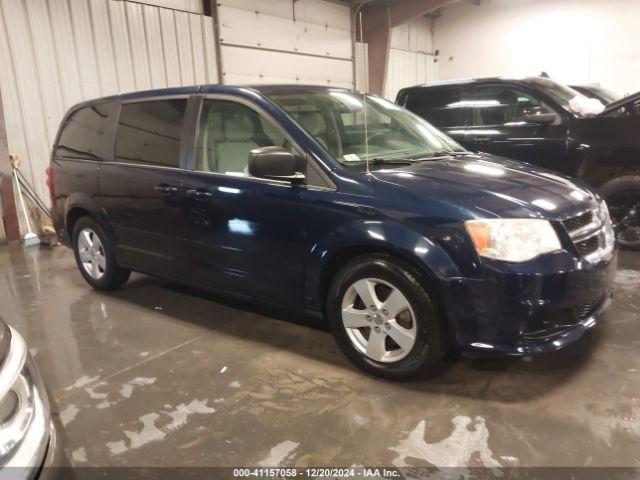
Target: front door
[
  {"x": 141, "y": 188},
  {"x": 497, "y": 125},
  {"x": 246, "y": 235}
]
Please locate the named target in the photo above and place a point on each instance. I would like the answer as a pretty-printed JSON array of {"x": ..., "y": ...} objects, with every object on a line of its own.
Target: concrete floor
[{"x": 156, "y": 375}]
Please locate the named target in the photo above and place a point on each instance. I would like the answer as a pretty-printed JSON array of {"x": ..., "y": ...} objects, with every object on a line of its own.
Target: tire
[
  {"x": 388, "y": 276},
  {"x": 99, "y": 268},
  {"x": 622, "y": 194}
]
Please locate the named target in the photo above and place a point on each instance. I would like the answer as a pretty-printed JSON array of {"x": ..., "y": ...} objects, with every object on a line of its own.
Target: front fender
[{"x": 367, "y": 236}]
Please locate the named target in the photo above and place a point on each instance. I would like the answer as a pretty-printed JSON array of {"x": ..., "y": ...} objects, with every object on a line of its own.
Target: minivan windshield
[{"x": 336, "y": 119}]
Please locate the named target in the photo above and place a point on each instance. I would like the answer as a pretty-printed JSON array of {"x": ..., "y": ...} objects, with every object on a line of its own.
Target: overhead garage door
[{"x": 308, "y": 41}]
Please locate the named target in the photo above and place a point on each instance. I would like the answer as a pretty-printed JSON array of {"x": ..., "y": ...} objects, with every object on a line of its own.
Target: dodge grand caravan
[{"x": 315, "y": 199}]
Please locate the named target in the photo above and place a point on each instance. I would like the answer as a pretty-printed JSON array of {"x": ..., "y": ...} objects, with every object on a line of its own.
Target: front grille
[
  {"x": 586, "y": 232},
  {"x": 555, "y": 322},
  {"x": 588, "y": 246},
  {"x": 576, "y": 223}
]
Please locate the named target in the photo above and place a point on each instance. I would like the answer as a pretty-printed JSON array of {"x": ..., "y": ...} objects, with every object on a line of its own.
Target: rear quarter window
[
  {"x": 439, "y": 106},
  {"x": 83, "y": 134},
  {"x": 149, "y": 132}
]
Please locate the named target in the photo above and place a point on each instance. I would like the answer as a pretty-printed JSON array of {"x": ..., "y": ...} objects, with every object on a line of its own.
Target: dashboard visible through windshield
[{"x": 336, "y": 119}]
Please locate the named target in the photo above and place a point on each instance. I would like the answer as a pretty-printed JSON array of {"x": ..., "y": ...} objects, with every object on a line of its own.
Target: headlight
[
  {"x": 24, "y": 409},
  {"x": 513, "y": 240},
  {"x": 609, "y": 234}
]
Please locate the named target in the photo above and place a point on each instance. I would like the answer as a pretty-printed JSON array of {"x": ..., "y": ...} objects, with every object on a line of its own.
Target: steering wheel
[{"x": 376, "y": 136}]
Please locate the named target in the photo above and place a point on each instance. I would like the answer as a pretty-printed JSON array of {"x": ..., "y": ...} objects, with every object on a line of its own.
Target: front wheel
[
  {"x": 623, "y": 199},
  {"x": 383, "y": 319}
]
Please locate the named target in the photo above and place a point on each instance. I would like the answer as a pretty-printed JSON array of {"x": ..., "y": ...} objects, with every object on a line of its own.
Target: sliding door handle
[
  {"x": 166, "y": 190},
  {"x": 199, "y": 194}
]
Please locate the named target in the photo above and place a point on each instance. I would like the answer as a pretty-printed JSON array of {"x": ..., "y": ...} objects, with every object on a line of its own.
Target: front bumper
[
  {"x": 37, "y": 451},
  {"x": 528, "y": 310}
]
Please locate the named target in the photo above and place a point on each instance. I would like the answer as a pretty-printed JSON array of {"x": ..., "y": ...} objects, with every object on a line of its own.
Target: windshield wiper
[
  {"x": 440, "y": 154},
  {"x": 381, "y": 161}
]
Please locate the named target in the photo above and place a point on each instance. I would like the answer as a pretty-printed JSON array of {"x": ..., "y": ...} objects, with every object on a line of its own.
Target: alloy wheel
[
  {"x": 91, "y": 253},
  {"x": 379, "y": 320}
]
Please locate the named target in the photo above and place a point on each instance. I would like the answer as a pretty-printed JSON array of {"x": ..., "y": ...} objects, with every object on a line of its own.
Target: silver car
[{"x": 30, "y": 436}]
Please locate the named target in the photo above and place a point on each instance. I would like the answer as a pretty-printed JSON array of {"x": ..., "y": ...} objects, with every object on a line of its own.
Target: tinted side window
[
  {"x": 149, "y": 132},
  {"x": 83, "y": 134},
  {"x": 498, "y": 105},
  {"x": 228, "y": 132},
  {"x": 439, "y": 106}
]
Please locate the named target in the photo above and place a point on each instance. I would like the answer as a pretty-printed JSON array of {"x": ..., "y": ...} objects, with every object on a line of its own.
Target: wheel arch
[
  {"x": 424, "y": 274},
  {"x": 78, "y": 206},
  {"x": 425, "y": 258}
]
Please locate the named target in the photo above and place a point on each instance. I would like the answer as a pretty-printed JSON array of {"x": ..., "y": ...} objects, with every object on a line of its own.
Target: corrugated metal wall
[
  {"x": 408, "y": 62},
  {"x": 308, "y": 41},
  {"x": 55, "y": 53}
]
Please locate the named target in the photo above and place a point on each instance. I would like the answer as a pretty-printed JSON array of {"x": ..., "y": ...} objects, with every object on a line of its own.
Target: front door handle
[
  {"x": 199, "y": 194},
  {"x": 166, "y": 190},
  {"x": 481, "y": 139}
]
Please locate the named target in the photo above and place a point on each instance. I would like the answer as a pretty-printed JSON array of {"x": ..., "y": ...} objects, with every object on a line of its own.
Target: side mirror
[
  {"x": 540, "y": 118},
  {"x": 275, "y": 163}
]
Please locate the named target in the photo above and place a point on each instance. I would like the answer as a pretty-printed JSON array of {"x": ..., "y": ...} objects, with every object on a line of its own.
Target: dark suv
[
  {"x": 408, "y": 244},
  {"x": 539, "y": 121}
]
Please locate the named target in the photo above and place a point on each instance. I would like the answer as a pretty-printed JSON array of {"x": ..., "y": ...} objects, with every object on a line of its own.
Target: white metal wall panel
[
  {"x": 85, "y": 48},
  {"x": 413, "y": 36},
  {"x": 253, "y": 29},
  {"x": 46, "y": 58},
  {"x": 193, "y": 6},
  {"x": 153, "y": 39},
  {"x": 308, "y": 41},
  {"x": 248, "y": 66},
  {"x": 170, "y": 47},
  {"x": 318, "y": 12},
  {"x": 29, "y": 95},
  {"x": 197, "y": 47},
  {"x": 55, "y": 53},
  {"x": 409, "y": 62},
  {"x": 137, "y": 36},
  {"x": 185, "y": 55},
  {"x": 121, "y": 46},
  {"x": 107, "y": 71}
]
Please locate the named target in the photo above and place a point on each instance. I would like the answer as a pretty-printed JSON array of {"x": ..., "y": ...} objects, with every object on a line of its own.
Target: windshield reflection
[{"x": 336, "y": 119}]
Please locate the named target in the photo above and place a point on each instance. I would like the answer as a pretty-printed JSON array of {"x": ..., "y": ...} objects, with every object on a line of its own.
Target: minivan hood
[{"x": 493, "y": 186}]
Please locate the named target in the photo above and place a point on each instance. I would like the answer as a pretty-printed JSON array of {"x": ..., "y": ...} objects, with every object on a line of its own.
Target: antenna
[{"x": 364, "y": 108}]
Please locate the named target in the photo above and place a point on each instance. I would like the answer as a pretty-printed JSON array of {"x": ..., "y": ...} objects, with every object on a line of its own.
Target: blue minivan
[{"x": 343, "y": 205}]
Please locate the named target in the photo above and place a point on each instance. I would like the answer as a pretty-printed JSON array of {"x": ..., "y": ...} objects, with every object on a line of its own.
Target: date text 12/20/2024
[{"x": 333, "y": 473}]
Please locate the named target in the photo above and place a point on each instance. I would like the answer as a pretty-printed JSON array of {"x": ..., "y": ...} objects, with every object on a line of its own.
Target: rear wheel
[
  {"x": 383, "y": 319},
  {"x": 95, "y": 256},
  {"x": 623, "y": 199}
]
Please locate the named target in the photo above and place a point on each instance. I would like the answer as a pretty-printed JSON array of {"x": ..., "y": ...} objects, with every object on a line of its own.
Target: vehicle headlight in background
[{"x": 513, "y": 239}]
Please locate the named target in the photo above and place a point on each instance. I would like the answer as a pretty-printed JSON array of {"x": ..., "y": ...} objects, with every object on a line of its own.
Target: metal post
[
  {"x": 9, "y": 207},
  {"x": 216, "y": 34}
]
